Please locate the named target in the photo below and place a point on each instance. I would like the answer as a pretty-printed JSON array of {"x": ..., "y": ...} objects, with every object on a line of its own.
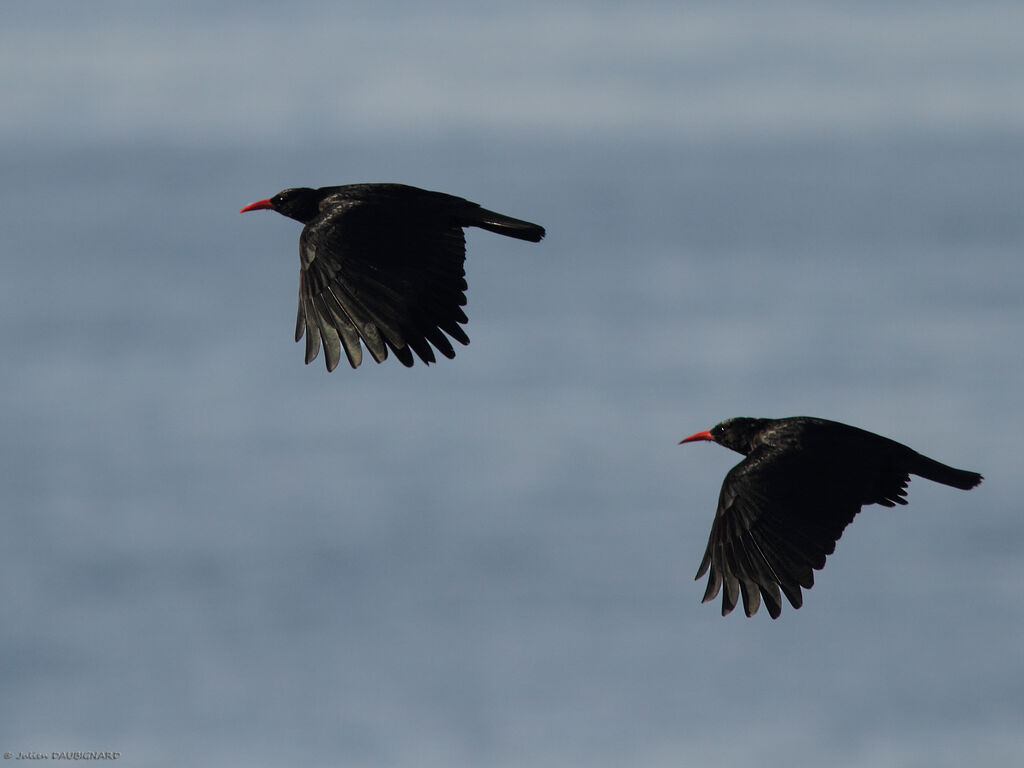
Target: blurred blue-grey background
[{"x": 214, "y": 554}]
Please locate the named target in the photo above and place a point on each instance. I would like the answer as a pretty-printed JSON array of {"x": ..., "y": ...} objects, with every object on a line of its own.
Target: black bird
[
  {"x": 384, "y": 263},
  {"x": 782, "y": 508}
]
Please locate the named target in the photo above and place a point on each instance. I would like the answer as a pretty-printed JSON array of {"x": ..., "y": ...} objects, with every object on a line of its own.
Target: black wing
[
  {"x": 388, "y": 273},
  {"x": 781, "y": 512}
]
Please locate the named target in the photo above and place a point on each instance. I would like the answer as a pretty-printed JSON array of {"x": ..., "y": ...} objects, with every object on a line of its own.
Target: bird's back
[{"x": 411, "y": 204}]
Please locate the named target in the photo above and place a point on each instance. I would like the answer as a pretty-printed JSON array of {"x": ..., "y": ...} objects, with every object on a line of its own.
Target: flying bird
[
  {"x": 782, "y": 509},
  {"x": 383, "y": 264}
]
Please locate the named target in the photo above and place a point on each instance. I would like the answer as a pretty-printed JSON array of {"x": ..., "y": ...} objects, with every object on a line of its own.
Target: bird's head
[
  {"x": 299, "y": 203},
  {"x": 736, "y": 434}
]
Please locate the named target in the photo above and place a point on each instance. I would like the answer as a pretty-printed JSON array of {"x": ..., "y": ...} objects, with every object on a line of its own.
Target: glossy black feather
[
  {"x": 383, "y": 264},
  {"x": 783, "y": 508}
]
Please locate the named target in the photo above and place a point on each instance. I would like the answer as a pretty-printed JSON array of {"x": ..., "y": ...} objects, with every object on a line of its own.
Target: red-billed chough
[
  {"x": 383, "y": 263},
  {"x": 782, "y": 509}
]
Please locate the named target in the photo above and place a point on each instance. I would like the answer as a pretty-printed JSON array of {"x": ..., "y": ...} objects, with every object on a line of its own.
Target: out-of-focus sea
[{"x": 212, "y": 554}]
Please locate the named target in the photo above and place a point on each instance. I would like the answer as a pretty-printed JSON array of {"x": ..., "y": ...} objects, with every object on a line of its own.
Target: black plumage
[
  {"x": 782, "y": 509},
  {"x": 384, "y": 264}
]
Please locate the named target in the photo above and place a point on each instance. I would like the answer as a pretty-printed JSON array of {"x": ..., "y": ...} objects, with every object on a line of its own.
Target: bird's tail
[
  {"x": 940, "y": 473},
  {"x": 506, "y": 225}
]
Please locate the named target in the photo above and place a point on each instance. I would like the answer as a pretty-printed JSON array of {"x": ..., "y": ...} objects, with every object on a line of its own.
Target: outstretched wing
[
  {"x": 387, "y": 273},
  {"x": 781, "y": 512}
]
